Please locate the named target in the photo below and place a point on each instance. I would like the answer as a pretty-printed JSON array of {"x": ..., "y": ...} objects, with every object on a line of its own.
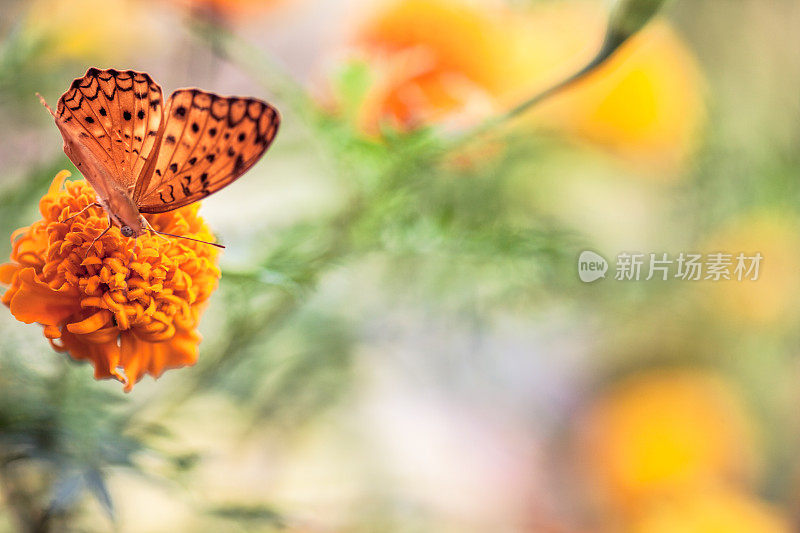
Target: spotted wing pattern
[
  {"x": 207, "y": 142},
  {"x": 117, "y": 115}
]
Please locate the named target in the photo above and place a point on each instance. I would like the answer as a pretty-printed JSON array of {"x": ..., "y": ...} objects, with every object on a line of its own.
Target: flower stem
[{"x": 610, "y": 45}]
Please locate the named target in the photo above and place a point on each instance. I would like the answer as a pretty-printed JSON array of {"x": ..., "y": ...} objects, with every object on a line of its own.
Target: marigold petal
[
  {"x": 102, "y": 336},
  {"x": 7, "y": 272},
  {"x": 92, "y": 260},
  {"x": 91, "y": 324},
  {"x": 58, "y": 182},
  {"x": 17, "y": 232},
  {"x": 132, "y": 353},
  {"x": 38, "y": 302},
  {"x": 93, "y": 301},
  {"x": 104, "y": 357},
  {"x": 185, "y": 348},
  {"x": 52, "y": 332},
  {"x": 122, "y": 319},
  {"x": 140, "y": 356}
]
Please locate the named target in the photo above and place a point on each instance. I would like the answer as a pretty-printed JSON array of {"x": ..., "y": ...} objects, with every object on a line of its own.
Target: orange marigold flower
[{"x": 128, "y": 308}]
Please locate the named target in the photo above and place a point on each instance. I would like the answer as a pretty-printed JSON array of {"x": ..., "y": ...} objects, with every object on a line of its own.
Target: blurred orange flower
[
  {"x": 229, "y": 8},
  {"x": 457, "y": 61},
  {"x": 128, "y": 308},
  {"x": 664, "y": 433},
  {"x": 434, "y": 60}
]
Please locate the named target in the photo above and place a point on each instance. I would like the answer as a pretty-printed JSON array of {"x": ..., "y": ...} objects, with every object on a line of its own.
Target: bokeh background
[{"x": 400, "y": 341}]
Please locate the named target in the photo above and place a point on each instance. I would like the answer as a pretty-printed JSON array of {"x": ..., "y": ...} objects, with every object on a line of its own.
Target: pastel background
[{"x": 400, "y": 341}]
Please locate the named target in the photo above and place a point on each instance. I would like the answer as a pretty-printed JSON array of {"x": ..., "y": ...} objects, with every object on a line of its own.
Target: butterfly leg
[
  {"x": 93, "y": 204},
  {"x": 110, "y": 224}
]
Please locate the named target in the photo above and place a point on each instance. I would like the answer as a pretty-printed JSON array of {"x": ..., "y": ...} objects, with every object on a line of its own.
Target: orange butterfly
[{"x": 142, "y": 155}]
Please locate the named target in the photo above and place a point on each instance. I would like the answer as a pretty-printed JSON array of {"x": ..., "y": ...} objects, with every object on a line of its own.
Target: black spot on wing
[
  {"x": 185, "y": 187},
  {"x": 237, "y": 166}
]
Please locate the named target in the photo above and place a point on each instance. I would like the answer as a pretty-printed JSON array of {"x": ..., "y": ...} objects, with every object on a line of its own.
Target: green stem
[{"x": 610, "y": 45}]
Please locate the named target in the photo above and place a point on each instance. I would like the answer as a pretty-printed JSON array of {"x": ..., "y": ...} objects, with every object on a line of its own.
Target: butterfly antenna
[
  {"x": 44, "y": 103},
  {"x": 187, "y": 238}
]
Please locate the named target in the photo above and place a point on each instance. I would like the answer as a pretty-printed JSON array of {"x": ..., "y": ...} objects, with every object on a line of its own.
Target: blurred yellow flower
[
  {"x": 92, "y": 30},
  {"x": 772, "y": 298},
  {"x": 645, "y": 103},
  {"x": 712, "y": 511},
  {"x": 662, "y": 433}
]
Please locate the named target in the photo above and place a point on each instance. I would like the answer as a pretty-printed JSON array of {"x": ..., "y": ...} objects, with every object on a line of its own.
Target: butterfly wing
[
  {"x": 207, "y": 142},
  {"x": 110, "y": 122}
]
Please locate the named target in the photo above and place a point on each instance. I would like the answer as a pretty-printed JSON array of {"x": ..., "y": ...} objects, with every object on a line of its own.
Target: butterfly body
[
  {"x": 144, "y": 155},
  {"x": 112, "y": 197},
  {"x": 123, "y": 211}
]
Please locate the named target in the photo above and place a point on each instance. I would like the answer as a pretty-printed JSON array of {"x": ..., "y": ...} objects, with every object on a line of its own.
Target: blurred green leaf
[
  {"x": 97, "y": 486},
  {"x": 67, "y": 489},
  {"x": 261, "y": 514}
]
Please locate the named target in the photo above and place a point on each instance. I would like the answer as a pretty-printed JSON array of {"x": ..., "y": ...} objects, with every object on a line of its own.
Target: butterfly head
[{"x": 123, "y": 213}]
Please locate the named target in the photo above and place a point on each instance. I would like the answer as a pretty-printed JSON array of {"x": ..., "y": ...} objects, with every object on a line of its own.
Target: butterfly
[{"x": 142, "y": 154}]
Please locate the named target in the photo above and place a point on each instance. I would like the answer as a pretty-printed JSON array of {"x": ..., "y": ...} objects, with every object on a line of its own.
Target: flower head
[
  {"x": 436, "y": 61},
  {"x": 130, "y": 308},
  {"x": 110, "y": 29},
  {"x": 665, "y": 432}
]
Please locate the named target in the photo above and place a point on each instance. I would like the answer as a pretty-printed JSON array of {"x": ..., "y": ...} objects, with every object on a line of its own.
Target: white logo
[{"x": 591, "y": 266}]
